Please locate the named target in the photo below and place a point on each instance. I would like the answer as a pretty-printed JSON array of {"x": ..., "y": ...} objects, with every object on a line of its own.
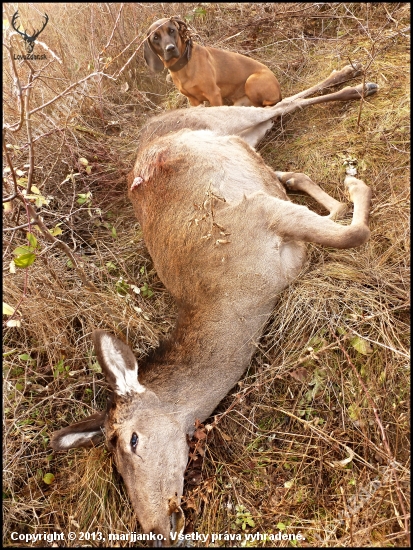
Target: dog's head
[{"x": 165, "y": 43}]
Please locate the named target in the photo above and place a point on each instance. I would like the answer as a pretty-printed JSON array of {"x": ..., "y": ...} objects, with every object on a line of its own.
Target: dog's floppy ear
[
  {"x": 182, "y": 26},
  {"x": 152, "y": 60}
]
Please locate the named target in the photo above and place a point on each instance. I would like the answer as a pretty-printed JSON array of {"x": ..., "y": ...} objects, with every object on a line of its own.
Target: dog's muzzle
[{"x": 171, "y": 51}]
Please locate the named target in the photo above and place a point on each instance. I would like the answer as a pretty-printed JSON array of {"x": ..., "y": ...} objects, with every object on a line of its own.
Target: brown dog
[{"x": 204, "y": 73}]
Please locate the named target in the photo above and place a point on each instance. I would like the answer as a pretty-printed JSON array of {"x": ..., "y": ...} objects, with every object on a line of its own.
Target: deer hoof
[{"x": 370, "y": 88}]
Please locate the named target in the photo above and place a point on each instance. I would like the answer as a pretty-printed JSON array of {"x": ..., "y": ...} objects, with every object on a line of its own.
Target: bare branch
[
  {"x": 113, "y": 31},
  {"x": 60, "y": 244},
  {"x": 390, "y": 457},
  {"x": 131, "y": 57},
  {"x": 46, "y": 47},
  {"x": 23, "y": 226},
  {"x": 13, "y": 175},
  {"x": 29, "y": 130},
  {"x": 71, "y": 87},
  {"x": 18, "y": 88}
]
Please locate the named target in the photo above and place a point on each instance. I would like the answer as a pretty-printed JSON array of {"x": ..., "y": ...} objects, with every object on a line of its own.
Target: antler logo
[{"x": 28, "y": 40}]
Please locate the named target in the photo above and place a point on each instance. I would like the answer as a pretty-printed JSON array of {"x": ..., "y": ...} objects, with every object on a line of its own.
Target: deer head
[{"x": 147, "y": 439}]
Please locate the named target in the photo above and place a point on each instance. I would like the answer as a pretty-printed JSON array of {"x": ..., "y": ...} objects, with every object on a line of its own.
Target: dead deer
[{"x": 225, "y": 240}]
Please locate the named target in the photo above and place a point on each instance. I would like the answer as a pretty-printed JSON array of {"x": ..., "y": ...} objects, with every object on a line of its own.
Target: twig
[
  {"x": 29, "y": 130},
  {"x": 324, "y": 436},
  {"x": 31, "y": 212},
  {"x": 113, "y": 31},
  {"x": 18, "y": 87},
  {"x": 63, "y": 246},
  {"x": 46, "y": 47},
  {"x": 389, "y": 204},
  {"x": 26, "y": 271},
  {"x": 390, "y": 457},
  {"x": 69, "y": 88},
  {"x": 407, "y": 355},
  {"x": 32, "y": 215},
  {"x": 130, "y": 58},
  {"x": 13, "y": 175},
  {"x": 361, "y": 100},
  {"x": 23, "y": 226},
  {"x": 364, "y": 83}
]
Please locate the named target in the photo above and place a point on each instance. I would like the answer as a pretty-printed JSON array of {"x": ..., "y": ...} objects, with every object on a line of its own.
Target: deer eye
[{"x": 134, "y": 440}]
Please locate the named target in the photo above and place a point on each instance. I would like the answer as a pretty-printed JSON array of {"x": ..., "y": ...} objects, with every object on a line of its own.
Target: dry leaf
[{"x": 301, "y": 374}]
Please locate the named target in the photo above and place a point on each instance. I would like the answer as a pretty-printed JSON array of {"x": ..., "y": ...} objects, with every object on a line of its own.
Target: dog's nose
[{"x": 170, "y": 47}]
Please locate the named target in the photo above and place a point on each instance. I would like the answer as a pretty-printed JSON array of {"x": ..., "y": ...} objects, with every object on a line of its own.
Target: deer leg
[
  {"x": 336, "y": 77},
  {"x": 251, "y": 123},
  {"x": 294, "y": 181},
  {"x": 294, "y": 222},
  {"x": 348, "y": 93}
]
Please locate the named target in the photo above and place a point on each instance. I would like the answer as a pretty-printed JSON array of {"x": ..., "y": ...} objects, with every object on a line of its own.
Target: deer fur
[{"x": 225, "y": 240}]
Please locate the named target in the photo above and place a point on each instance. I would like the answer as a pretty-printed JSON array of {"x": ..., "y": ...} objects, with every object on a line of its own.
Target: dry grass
[{"x": 337, "y": 342}]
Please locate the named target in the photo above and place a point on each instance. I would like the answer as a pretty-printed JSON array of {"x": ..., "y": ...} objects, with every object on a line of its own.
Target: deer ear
[
  {"x": 152, "y": 60},
  {"x": 118, "y": 363},
  {"x": 87, "y": 433}
]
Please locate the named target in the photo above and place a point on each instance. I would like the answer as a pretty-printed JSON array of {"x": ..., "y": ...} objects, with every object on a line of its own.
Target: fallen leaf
[
  {"x": 343, "y": 463},
  {"x": 301, "y": 374},
  {"x": 199, "y": 434},
  {"x": 225, "y": 436},
  {"x": 361, "y": 345},
  {"x": 7, "y": 310}
]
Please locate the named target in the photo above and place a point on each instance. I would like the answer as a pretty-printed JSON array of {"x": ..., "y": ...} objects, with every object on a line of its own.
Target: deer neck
[{"x": 200, "y": 363}]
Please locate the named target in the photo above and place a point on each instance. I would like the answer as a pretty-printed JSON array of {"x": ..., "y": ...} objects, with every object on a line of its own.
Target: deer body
[
  {"x": 225, "y": 240},
  {"x": 201, "y": 206}
]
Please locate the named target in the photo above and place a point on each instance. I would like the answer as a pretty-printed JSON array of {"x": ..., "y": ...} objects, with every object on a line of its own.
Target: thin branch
[
  {"x": 46, "y": 47},
  {"x": 130, "y": 58},
  {"x": 98, "y": 73},
  {"x": 13, "y": 175},
  {"x": 113, "y": 31},
  {"x": 29, "y": 131},
  {"x": 23, "y": 226},
  {"x": 26, "y": 271},
  {"x": 18, "y": 88},
  {"x": 32, "y": 215},
  {"x": 60, "y": 244},
  {"x": 361, "y": 100},
  {"x": 390, "y": 457}
]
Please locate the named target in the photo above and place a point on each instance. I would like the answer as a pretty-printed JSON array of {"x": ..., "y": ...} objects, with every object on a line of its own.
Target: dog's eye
[
  {"x": 134, "y": 441},
  {"x": 155, "y": 37},
  {"x": 171, "y": 31}
]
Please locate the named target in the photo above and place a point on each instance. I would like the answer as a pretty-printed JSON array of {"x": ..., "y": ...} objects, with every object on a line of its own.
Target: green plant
[
  {"x": 146, "y": 291},
  {"x": 25, "y": 255},
  {"x": 60, "y": 368},
  {"x": 84, "y": 198},
  {"x": 244, "y": 517}
]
